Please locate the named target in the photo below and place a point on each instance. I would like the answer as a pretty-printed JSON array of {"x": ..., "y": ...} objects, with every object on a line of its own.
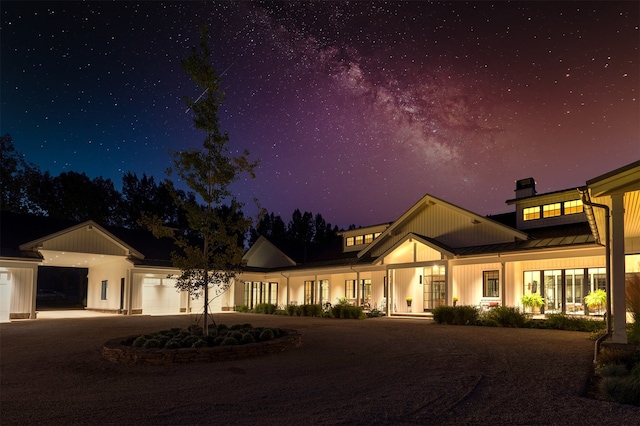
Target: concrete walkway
[{"x": 376, "y": 371}]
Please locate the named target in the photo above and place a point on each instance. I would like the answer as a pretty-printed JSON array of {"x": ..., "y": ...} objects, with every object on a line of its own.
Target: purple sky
[{"x": 355, "y": 110}]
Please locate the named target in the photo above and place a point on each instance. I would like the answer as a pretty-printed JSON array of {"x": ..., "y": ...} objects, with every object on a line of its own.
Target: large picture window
[
  {"x": 491, "y": 284},
  {"x": 260, "y": 292}
]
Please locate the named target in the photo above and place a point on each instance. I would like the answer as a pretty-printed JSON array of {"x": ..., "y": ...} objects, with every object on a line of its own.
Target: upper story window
[
  {"x": 531, "y": 213},
  {"x": 361, "y": 239},
  {"x": 573, "y": 207},
  {"x": 551, "y": 210}
]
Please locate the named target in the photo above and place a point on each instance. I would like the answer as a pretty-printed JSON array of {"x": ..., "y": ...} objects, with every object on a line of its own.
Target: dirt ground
[{"x": 375, "y": 371}]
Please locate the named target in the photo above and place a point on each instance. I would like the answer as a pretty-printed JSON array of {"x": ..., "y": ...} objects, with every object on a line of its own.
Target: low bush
[
  {"x": 265, "y": 308},
  {"x": 346, "y": 311},
  {"x": 293, "y": 310},
  {"x": 622, "y": 386},
  {"x": 505, "y": 316},
  {"x": 456, "y": 315},
  {"x": 193, "y": 336},
  {"x": 562, "y": 321},
  {"x": 242, "y": 308}
]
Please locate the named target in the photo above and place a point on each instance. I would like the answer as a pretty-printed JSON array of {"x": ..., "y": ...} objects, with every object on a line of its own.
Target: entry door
[{"x": 435, "y": 286}]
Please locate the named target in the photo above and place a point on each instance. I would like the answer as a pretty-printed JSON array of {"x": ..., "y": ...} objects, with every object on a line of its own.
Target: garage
[{"x": 160, "y": 296}]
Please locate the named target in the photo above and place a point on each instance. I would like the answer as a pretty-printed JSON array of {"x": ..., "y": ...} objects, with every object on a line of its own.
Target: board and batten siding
[
  {"x": 467, "y": 282},
  {"x": 448, "y": 226},
  {"x": 85, "y": 240},
  {"x": 22, "y": 285}
]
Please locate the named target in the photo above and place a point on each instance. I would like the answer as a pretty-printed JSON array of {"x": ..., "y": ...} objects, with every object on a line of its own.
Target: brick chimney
[{"x": 525, "y": 188}]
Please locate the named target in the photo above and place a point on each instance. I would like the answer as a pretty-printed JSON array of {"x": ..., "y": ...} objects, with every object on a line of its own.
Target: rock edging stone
[{"x": 117, "y": 352}]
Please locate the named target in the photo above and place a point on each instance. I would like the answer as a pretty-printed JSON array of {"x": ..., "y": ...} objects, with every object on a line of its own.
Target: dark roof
[
  {"x": 313, "y": 253},
  {"x": 508, "y": 219},
  {"x": 18, "y": 228}
]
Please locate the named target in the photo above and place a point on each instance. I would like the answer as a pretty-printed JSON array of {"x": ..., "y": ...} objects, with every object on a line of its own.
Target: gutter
[{"x": 594, "y": 229}]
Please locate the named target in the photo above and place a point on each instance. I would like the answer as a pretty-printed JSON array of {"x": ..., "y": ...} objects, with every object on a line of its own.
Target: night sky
[{"x": 355, "y": 110}]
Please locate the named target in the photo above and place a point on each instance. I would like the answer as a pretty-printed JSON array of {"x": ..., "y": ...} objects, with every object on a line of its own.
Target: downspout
[
  {"x": 607, "y": 246},
  {"x": 288, "y": 298}
]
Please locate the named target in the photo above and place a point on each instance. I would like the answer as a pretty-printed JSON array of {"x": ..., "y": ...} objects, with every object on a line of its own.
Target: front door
[{"x": 435, "y": 286}]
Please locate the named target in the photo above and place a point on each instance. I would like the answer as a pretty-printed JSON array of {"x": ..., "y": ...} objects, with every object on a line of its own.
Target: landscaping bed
[{"x": 180, "y": 346}]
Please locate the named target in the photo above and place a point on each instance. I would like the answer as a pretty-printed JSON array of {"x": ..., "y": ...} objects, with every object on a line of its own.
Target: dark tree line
[
  {"x": 75, "y": 196},
  {"x": 303, "y": 227}
]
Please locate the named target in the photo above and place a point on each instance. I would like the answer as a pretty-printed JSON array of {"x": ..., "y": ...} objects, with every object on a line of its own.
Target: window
[
  {"x": 359, "y": 239},
  {"x": 490, "y": 284},
  {"x": 531, "y": 213},
  {"x": 368, "y": 238},
  {"x": 103, "y": 291},
  {"x": 573, "y": 207},
  {"x": 551, "y": 210},
  {"x": 350, "y": 289},
  {"x": 351, "y": 241},
  {"x": 309, "y": 292},
  {"x": 260, "y": 292}
]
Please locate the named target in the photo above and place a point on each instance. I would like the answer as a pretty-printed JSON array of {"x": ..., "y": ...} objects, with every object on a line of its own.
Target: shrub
[
  {"x": 506, "y": 316},
  {"x": 242, "y": 308},
  {"x": 465, "y": 315},
  {"x": 293, "y": 310},
  {"x": 443, "y": 314},
  {"x": 139, "y": 342},
  {"x": 265, "y": 308},
  {"x": 247, "y": 338},
  {"x": 623, "y": 388},
  {"x": 346, "y": 311},
  {"x": 267, "y": 334},
  {"x": 375, "y": 313},
  {"x": 227, "y": 341},
  {"x": 562, "y": 321},
  {"x": 151, "y": 343},
  {"x": 313, "y": 310}
]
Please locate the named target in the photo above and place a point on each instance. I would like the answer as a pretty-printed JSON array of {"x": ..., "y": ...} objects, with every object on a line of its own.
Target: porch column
[{"x": 617, "y": 270}]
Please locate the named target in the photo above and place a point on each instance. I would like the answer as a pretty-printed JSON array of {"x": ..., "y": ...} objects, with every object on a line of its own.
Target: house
[{"x": 552, "y": 244}]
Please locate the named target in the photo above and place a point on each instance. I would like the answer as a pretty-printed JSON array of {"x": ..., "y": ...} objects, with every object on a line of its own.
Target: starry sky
[{"x": 354, "y": 109}]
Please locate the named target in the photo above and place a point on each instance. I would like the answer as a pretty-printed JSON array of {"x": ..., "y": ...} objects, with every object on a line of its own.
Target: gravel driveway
[{"x": 376, "y": 371}]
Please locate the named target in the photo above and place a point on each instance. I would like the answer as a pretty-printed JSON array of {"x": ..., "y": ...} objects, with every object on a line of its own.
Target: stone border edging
[{"x": 117, "y": 352}]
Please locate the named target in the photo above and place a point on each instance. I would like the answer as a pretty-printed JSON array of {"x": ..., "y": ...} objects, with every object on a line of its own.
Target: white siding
[
  {"x": 22, "y": 283},
  {"x": 448, "y": 226},
  {"x": 85, "y": 241},
  {"x": 467, "y": 282},
  {"x": 112, "y": 272}
]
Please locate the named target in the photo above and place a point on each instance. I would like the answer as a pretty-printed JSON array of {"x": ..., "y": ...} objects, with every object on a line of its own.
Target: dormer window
[{"x": 551, "y": 210}]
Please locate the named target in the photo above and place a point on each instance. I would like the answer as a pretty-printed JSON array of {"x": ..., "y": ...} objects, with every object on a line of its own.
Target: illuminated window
[
  {"x": 368, "y": 238},
  {"x": 350, "y": 289},
  {"x": 376, "y": 235},
  {"x": 103, "y": 290},
  {"x": 309, "y": 292},
  {"x": 531, "y": 213},
  {"x": 573, "y": 207},
  {"x": 359, "y": 239},
  {"x": 351, "y": 241},
  {"x": 490, "y": 284},
  {"x": 260, "y": 292},
  {"x": 551, "y": 210}
]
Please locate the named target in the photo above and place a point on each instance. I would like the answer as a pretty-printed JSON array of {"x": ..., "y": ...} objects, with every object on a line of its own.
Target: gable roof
[
  {"x": 430, "y": 200},
  {"x": 21, "y": 234}
]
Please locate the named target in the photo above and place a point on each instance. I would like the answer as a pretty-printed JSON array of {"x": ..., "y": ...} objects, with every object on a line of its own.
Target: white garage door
[
  {"x": 159, "y": 296},
  {"x": 215, "y": 305}
]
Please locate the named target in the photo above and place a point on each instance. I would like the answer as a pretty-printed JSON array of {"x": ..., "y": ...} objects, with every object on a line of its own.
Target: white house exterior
[{"x": 552, "y": 244}]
